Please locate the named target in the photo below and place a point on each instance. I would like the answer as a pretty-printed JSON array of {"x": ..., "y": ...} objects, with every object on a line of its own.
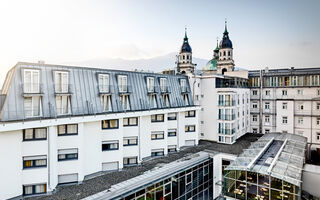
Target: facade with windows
[
  {"x": 286, "y": 100},
  {"x": 66, "y": 123}
]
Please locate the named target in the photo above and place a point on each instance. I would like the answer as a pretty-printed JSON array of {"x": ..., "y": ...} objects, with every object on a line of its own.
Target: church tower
[
  {"x": 225, "y": 62},
  {"x": 184, "y": 60}
]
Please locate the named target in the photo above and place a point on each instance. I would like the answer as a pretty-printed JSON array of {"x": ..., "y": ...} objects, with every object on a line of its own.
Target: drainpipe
[{"x": 260, "y": 103}]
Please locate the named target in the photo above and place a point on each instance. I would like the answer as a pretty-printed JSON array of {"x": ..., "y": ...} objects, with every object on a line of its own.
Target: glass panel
[
  {"x": 276, "y": 183},
  {"x": 276, "y": 195},
  {"x": 240, "y": 190},
  {"x": 241, "y": 175},
  {"x": 252, "y": 177},
  {"x": 288, "y": 187},
  {"x": 263, "y": 193},
  {"x": 252, "y": 192},
  {"x": 263, "y": 180},
  {"x": 28, "y": 134},
  {"x": 229, "y": 187}
]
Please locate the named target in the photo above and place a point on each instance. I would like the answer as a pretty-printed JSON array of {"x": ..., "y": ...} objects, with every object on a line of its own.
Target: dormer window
[
  {"x": 123, "y": 83},
  {"x": 61, "y": 82},
  {"x": 31, "y": 81},
  {"x": 183, "y": 85},
  {"x": 103, "y": 83},
  {"x": 63, "y": 105},
  {"x": 32, "y": 106},
  {"x": 106, "y": 102},
  {"x": 163, "y": 84},
  {"x": 153, "y": 101},
  {"x": 124, "y": 99},
  {"x": 166, "y": 102},
  {"x": 186, "y": 99},
  {"x": 150, "y": 84}
]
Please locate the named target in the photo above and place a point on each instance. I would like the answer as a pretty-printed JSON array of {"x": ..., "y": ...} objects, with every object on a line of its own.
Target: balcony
[
  {"x": 227, "y": 103},
  {"x": 62, "y": 88},
  {"x": 227, "y": 117},
  {"x": 31, "y": 89},
  {"x": 227, "y": 131}
]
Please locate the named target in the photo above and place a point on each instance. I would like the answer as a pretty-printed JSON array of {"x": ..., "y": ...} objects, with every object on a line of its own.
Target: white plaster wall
[{"x": 311, "y": 179}]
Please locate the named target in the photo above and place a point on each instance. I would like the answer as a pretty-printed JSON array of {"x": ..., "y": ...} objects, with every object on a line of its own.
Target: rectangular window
[
  {"x": 130, "y": 141},
  {"x": 166, "y": 102},
  {"x": 191, "y": 113},
  {"x": 318, "y": 121},
  {"x": 284, "y": 92},
  {"x": 68, "y": 129},
  {"x": 301, "y": 107},
  {"x": 157, "y": 135},
  {"x": 254, "y": 118},
  {"x": 127, "y": 161},
  {"x": 152, "y": 101},
  {"x": 254, "y": 105},
  {"x": 284, "y": 120},
  {"x": 63, "y": 105},
  {"x": 172, "y": 116},
  {"x": 110, "y": 145},
  {"x": 255, "y": 130},
  {"x": 150, "y": 84},
  {"x": 157, "y": 118},
  {"x": 267, "y": 118},
  {"x": 318, "y": 136},
  {"x": 31, "y": 81},
  {"x": 67, "y": 154},
  {"x": 110, "y": 124},
  {"x": 34, "y": 134},
  {"x": 284, "y": 106},
  {"x": 163, "y": 84},
  {"x": 300, "y": 120},
  {"x": 104, "y": 83},
  {"x": 300, "y": 92},
  {"x": 267, "y": 105},
  {"x": 185, "y": 99},
  {"x": 318, "y": 106},
  {"x": 32, "y": 106},
  {"x": 157, "y": 152},
  {"x": 61, "y": 82},
  {"x": 183, "y": 85},
  {"x": 106, "y": 102},
  {"x": 132, "y": 121},
  {"x": 172, "y": 132},
  {"x": 34, "y": 161},
  {"x": 34, "y": 189},
  {"x": 267, "y": 131},
  {"x": 254, "y": 92},
  {"x": 267, "y": 92},
  {"x": 124, "y": 99},
  {"x": 172, "y": 148},
  {"x": 190, "y": 128},
  {"x": 122, "y": 84}
]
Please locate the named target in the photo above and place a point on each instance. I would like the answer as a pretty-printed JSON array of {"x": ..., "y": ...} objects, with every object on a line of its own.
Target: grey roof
[
  {"x": 84, "y": 91},
  {"x": 105, "y": 181},
  {"x": 285, "y": 72},
  {"x": 280, "y": 155}
]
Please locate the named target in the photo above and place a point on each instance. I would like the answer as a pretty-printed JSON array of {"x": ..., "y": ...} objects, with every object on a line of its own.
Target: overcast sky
[{"x": 279, "y": 33}]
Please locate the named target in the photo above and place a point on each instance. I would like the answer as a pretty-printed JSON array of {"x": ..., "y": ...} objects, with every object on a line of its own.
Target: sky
[{"x": 265, "y": 33}]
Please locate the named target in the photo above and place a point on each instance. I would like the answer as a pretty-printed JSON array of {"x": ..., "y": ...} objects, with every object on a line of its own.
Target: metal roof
[
  {"x": 280, "y": 155},
  {"x": 84, "y": 91}
]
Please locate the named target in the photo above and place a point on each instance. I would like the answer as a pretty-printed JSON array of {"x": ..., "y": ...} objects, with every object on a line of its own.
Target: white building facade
[{"x": 66, "y": 123}]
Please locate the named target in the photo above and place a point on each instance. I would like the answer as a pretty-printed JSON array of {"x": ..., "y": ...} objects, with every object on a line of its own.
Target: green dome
[{"x": 212, "y": 64}]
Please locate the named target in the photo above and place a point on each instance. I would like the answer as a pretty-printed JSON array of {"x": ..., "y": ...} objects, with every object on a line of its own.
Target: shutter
[
  {"x": 190, "y": 143},
  {"x": 110, "y": 166},
  {"x": 67, "y": 178}
]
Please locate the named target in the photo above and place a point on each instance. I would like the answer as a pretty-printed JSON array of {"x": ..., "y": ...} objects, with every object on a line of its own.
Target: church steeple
[
  {"x": 185, "y": 46},
  {"x": 225, "y": 62},
  {"x": 185, "y": 64}
]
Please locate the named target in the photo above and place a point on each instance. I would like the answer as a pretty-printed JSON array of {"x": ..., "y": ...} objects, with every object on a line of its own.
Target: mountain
[{"x": 155, "y": 64}]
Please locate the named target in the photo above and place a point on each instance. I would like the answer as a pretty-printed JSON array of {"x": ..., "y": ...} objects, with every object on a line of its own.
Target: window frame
[
  {"x": 150, "y": 84},
  {"x": 129, "y": 124},
  {"x": 109, "y": 143},
  {"x": 172, "y": 131},
  {"x": 33, "y": 161},
  {"x": 33, "y": 135},
  {"x": 156, "y": 118},
  {"x": 172, "y": 118},
  {"x": 155, "y": 152},
  {"x": 66, "y": 128},
  {"x": 66, "y": 155},
  {"x": 130, "y": 138},
  {"x": 187, "y": 128},
  {"x": 117, "y": 127},
  {"x": 33, "y": 101},
  {"x": 34, "y": 189},
  {"x": 104, "y": 88},
  {"x": 123, "y": 88},
  {"x": 189, "y": 115},
  {"x": 156, "y": 134},
  {"x": 63, "y": 90},
  {"x": 129, "y": 163}
]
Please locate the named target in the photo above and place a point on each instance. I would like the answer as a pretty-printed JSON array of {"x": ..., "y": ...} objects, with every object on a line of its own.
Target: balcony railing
[
  {"x": 227, "y": 103},
  {"x": 227, "y": 117},
  {"x": 125, "y": 88},
  {"x": 32, "y": 88},
  {"x": 62, "y": 88},
  {"x": 227, "y": 131}
]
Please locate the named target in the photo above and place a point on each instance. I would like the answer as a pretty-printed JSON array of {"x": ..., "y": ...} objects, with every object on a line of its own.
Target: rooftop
[{"x": 105, "y": 181}]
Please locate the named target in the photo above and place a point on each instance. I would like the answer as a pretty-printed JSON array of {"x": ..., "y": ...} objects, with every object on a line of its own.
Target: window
[
  {"x": 254, "y": 118},
  {"x": 163, "y": 84},
  {"x": 254, "y": 92},
  {"x": 267, "y": 105},
  {"x": 157, "y": 152},
  {"x": 267, "y": 118},
  {"x": 150, "y": 84},
  {"x": 122, "y": 84},
  {"x": 106, "y": 102},
  {"x": 284, "y": 120},
  {"x": 185, "y": 99},
  {"x": 318, "y": 121},
  {"x": 183, "y": 85},
  {"x": 300, "y": 92},
  {"x": 132, "y": 121},
  {"x": 221, "y": 139},
  {"x": 31, "y": 81},
  {"x": 190, "y": 128},
  {"x": 172, "y": 148},
  {"x": 191, "y": 113},
  {"x": 34, "y": 161},
  {"x": 255, "y": 130},
  {"x": 124, "y": 99},
  {"x": 202, "y": 122},
  {"x": 284, "y": 106},
  {"x": 67, "y": 154},
  {"x": 300, "y": 120},
  {"x": 172, "y": 116},
  {"x": 110, "y": 124},
  {"x": 130, "y": 161},
  {"x": 254, "y": 105},
  {"x": 197, "y": 97},
  {"x": 267, "y": 92},
  {"x": 157, "y": 118},
  {"x": 157, "y": 135},
  {"x": 32, "y": 106},
  {"x": 284, "y": 131},
  {"x": 301, "y": 107},
  {"x": 63, "y": 105},
  {"x": 166, "y": 102},
  {"x": 130, "y": 141},
  {"x": 318, "y": 136},
  {"x": 34, "y": 189},
  {"x": 68, "y": 129},
  {"x": 61, "y": 82},
  {"x": 34, "y": 134},
  {"x": 110, "y": 145},
  {"x": 284, "y": 92},
  {"x": 104, "y": 83},
  {"x": 266, "y": 130},
  {"x": 318, "y": 92},
  {"x": 318, "y": 106},
  {"x": 152, "y": 101},
  {"x": 172, "y": 132}
]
